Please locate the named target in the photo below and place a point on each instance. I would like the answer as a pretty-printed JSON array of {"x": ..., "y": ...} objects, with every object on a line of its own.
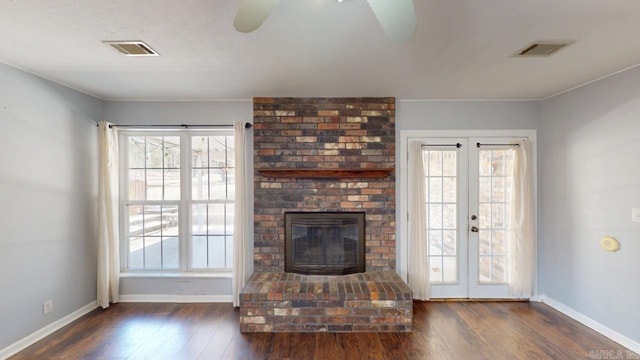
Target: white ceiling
[{"x": 461, "y": 50}]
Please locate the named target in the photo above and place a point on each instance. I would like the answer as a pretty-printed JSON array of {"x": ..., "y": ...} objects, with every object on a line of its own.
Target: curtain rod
[
  {"x": 185, "y": 126},
  {"x": 508, "y": 145},
  {"x": 457, "y": 145}
]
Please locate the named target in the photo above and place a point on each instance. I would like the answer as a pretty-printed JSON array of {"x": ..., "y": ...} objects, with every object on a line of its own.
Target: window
[{"x": 177, "y": 200}]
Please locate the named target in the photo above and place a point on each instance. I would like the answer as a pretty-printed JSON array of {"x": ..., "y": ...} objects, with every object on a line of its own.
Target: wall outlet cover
[{"x": 47, "y": 306}]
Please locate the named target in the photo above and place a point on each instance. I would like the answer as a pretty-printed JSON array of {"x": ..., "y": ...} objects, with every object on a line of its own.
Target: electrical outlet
[
  {"x": 635, "y": 214},
  {"x": 47, "y": 306}
]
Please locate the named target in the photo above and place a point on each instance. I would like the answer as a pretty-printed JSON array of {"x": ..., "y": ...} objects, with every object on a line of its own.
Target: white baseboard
[
  {"x": 585, "y": 320},
  {"x": 46, "y": 331},
  {"x": 537, "y": 298},
  {"x": 177, "y": 298}
]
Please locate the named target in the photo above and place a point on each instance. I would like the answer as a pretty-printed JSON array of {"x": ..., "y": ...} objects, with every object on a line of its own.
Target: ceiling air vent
[
  {"x": 132, "y": 48},
  {"x": 542, "y": 48}
]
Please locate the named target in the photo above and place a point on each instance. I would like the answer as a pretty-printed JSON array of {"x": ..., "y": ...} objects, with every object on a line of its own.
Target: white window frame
[{"x": 184, "y": 204}]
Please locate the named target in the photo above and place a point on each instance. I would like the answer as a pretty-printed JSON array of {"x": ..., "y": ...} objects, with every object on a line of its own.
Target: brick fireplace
[{"x": 325, "y": 155}]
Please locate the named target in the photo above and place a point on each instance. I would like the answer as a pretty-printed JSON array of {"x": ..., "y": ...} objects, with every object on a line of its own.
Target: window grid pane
[
  {"x": 154, "y": 183},
  {"x": 495, "y": 169},
  {"x": 212, "y": 188},
  {"x": 212, "y": 229},
  {"x": 442, "y": 214},
  {"x": 152, "y": 237}
]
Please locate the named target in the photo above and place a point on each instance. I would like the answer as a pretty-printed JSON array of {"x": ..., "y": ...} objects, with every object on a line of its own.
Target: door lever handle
[{"x": 474, "y": 229}]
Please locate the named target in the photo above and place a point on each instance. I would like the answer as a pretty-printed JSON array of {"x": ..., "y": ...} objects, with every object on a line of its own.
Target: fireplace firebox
[{"x": 324, "y": 243}]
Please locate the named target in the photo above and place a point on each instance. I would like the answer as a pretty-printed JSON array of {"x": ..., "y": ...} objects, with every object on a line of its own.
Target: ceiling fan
[{"x": 397, "y": 17}]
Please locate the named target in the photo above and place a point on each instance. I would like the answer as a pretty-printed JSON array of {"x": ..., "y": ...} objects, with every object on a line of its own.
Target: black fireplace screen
[{"x": 324, "y": 243}]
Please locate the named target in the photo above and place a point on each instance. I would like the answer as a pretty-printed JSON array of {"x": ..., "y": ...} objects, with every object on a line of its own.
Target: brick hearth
[{"x": 366, "y": 302}]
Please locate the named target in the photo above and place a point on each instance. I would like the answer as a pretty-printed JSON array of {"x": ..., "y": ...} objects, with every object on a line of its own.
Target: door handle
[{"x": 474, "y": 229}]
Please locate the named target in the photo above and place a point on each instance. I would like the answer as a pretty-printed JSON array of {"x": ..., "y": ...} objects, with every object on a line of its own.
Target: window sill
[{"x": 176, "y": 275}]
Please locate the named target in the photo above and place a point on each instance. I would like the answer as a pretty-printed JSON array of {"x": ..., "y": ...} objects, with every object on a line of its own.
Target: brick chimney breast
[{"x": 351, "y": 135}]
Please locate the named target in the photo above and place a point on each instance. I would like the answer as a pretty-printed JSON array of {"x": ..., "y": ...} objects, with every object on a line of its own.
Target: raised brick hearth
[
  {"x": 366, "y": 302},
  {"x": 345, "y": 148}
]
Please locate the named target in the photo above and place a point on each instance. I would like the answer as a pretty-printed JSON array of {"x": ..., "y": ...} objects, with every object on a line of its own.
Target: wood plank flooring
[{"x": 442, "y": 330}]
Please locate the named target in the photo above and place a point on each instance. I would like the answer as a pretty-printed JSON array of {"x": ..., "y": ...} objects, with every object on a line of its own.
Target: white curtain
[
  {"x": 108, "y": 239},
  {"x": 418, "y": 264},
  {"x": 241, "y": 259},
  {"x": 522, "y": 230}
]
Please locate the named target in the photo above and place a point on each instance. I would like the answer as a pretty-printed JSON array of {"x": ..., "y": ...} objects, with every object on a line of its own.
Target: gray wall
[
  {"x": 192, "y": 113},
  {"x": 48, "y": 193},
  {"x": 466, "y": 115},
  {"x": 178, "y": 112},
  {"x": 589, "y": 180}
]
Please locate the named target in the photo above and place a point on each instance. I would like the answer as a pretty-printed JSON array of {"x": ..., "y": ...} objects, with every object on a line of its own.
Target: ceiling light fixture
[{"x": 396, "y": 17}]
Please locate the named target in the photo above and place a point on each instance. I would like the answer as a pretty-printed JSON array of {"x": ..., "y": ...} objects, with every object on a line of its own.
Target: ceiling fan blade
[
  {"x": 397, "y": 18},
  {"x": 252, "y": 14}
]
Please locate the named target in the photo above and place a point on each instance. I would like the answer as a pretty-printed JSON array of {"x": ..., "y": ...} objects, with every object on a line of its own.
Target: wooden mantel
[{"x": 326, "y": 173}]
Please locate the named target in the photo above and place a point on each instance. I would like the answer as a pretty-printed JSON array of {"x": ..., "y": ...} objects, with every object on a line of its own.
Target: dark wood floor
[{"x": 442, "y": 330}]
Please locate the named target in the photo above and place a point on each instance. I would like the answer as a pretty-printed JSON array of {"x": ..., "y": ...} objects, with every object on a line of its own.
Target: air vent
[
  {"x": 132, "y": 48},
  {"x": 542, "y": 48}
]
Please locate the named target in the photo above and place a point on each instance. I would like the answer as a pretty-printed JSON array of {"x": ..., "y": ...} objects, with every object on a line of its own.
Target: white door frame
[{"x": 402, "y": 184}]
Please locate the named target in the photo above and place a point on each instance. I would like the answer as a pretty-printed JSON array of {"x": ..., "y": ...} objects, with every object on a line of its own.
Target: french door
[{"x": 468, "y": 185}]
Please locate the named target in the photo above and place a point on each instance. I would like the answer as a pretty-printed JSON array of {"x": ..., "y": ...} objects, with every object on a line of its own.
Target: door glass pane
[
  {"x": 484, "y": 269},
  {"x": 450, "y": 163},
  {"x": 442, "y": 214},
  {"x": 449, "y": 269},
  {"x": 449, "y": 216},
  {"x": 497, "y": 269},
  {"x": 494, "y": 204},
  {"x": 435, "y": 162},
  {"x": 435, "y": 190},
  {"x": 449, "y": 193},
  {"x": 485, "y": 242},
  {"x": 435, "y": 216},
  {"x": 497, "y": 242},
  {"x": 435, "y": 269},
  {"x": 435, "y": 242},
  {"x": 449, "y": 242}
]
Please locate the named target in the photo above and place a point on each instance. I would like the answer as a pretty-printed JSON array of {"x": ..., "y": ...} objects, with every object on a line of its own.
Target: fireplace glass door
[{"x": 324, "y": 243}]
